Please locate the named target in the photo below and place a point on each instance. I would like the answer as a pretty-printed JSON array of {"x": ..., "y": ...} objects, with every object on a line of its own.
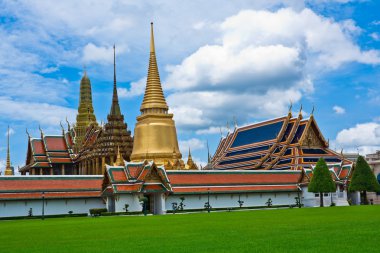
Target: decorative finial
[
  {"x": 68, "y": 124},
  {"x": 119, "y": 158},
  {"x": 152, "y": 47},
  {"x": 300, "y": 112},
  {"x": 27, "y": 133},
  {"x": 290, "y": 107},
  {"x": 84, "y": 70},
  {"x": 63, "y": 129},
  {"x": 42, "y": 133},
  {"x": 235, "y": 122},
  {"x": 312, "y": 111},
  {"x": 114, "y": 64},
  {"x": 208, "y": 154},
  {"x": 228, "y": 126}
]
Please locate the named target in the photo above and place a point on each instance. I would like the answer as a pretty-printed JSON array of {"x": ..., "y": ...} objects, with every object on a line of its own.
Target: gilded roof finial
[
  {"x": 235, "y": 122},
  {"x": 290, "y": 108},
  {"x": 63, "y": 129},
  {"x": 42, "y": 133},
  {"x": 68, "y": 125},
  {"x": 8, "y": 170},
  {"x": 312, "y": 111},
  {"x": 119, "y": 158},
  {"x": 300, "y": 112},
  {"x": 84, "y": 70},
  {"x": 26, "y": 130}
]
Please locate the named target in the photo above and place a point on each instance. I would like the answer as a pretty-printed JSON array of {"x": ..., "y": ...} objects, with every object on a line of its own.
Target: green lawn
[{"x": 332, "y": 229}]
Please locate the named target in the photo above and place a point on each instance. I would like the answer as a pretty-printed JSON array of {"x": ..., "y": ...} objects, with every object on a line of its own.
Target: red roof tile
[
  {"x": 50, "y": 195},
  {"x": 49, "y": 183},
  {"x": 38, "y": 146},
  {"x": 55, "y": 143},
  {"x": 232, "y": 178},
  {"x": 227, "y": 189}
]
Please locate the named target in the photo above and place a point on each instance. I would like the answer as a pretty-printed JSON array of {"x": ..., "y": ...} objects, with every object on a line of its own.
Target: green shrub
[{"x": 97, "y": 211}]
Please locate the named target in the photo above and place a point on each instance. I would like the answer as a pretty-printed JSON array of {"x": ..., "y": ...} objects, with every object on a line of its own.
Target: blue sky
[{"x": 218, "y": 60}]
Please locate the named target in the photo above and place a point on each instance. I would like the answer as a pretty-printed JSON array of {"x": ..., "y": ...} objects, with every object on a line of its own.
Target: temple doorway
[{"x": 154, "y": 204}]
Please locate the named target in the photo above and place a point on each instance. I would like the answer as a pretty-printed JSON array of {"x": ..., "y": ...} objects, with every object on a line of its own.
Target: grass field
[{"x": 334, "y": 229}]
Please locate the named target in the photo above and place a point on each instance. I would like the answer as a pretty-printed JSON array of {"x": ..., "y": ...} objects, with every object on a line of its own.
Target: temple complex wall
[
  {"x": 198, "y": 201},
  {"x": 12, "y": 208}
]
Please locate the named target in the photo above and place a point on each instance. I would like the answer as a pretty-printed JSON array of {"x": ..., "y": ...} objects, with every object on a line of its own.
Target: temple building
[
  {"x": 86, "y": 147},
  {"x": 285, "y": 143},
  {"x": 155, "y": 132},
  {"x": 50, "y": 155},
  {"x": 103, "y": 144}
]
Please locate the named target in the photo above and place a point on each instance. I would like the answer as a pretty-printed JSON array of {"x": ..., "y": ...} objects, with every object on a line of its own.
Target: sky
[{"x": 220, "y": 62}]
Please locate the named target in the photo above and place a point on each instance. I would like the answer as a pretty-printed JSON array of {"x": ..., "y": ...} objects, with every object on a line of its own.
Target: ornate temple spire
[
  {"x": 155, "y": 135},
  {"x": 85, "y": 116},
  {"x": 154, "y": 96},
  {"x": 8, "y": 169},
  {"x": 115, "y": 107}
]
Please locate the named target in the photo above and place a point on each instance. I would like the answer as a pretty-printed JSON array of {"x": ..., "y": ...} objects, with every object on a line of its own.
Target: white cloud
[
  {"x": 193, "y": 144},
  {"x": 44, "y": 113},
  {"x": 49, "y": 70},
  {"x": 136, "y": 89},
  {"x": 11, "y": 132},
  {"x": 93, "y": 53},
  {"x": 257, "y": 66},
  {"x": 375, "y": 36},
  {"x": 212, "y": 130},
  {"x": 364, "y": 138},
  {"x": 2, "y": 166},
  {"x": 339, "y": 110}
]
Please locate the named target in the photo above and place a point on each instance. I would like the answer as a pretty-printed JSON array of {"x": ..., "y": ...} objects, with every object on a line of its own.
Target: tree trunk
[
  {"x": 365, "y": 200},
  {"x": 321, "y": 199}
]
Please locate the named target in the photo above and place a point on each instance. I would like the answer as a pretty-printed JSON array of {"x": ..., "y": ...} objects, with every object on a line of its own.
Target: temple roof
[
  {"x": 140, "y": 177},
  {"x": 48, "y": 150},
  {"x": 279, "y": 144},
  {"x": 31, "y": 187}
]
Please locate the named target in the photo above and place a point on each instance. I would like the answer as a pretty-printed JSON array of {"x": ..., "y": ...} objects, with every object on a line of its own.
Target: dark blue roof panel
[{"x": 258, "y": 134}]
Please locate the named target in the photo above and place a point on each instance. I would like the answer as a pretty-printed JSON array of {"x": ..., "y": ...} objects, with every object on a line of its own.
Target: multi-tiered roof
[{"x": 285, "y": 143}]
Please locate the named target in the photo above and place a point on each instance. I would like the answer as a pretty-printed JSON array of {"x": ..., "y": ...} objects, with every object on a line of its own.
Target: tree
[
  {"x": 363, "y": 180},
  {"x": 321, "y": 181}
]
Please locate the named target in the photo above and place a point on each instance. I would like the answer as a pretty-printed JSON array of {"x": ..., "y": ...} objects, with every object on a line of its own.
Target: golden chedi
[{"x": 155, "y": 132}]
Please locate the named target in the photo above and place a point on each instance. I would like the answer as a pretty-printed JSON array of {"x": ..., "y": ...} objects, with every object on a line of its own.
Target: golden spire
[
  {"x": 119, "y": 159},
  {"x": 155, "y": 135},
  {"x": 154, "y": 96},
  {"x": 8, "y": 169}
]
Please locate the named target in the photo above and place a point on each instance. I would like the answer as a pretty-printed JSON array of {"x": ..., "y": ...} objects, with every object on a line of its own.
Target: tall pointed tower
[
  {"x": 108, "y": 143},
  {"x": 115, "y": 138},
  {"x": 155, "y": 133},
  {"x": 8, "y": 169},
  {"x": 85, "y": 116}
]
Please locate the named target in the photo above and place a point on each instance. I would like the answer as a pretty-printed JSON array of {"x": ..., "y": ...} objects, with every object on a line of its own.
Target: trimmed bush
[{"x": 97, "y": 211}]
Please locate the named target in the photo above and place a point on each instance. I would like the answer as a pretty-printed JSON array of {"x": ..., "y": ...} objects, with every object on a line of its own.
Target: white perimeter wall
[
  {"x": 52, "y": 206},
  {"x": 131, "y": 199},
  {"x": 231, "y": 200}
]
